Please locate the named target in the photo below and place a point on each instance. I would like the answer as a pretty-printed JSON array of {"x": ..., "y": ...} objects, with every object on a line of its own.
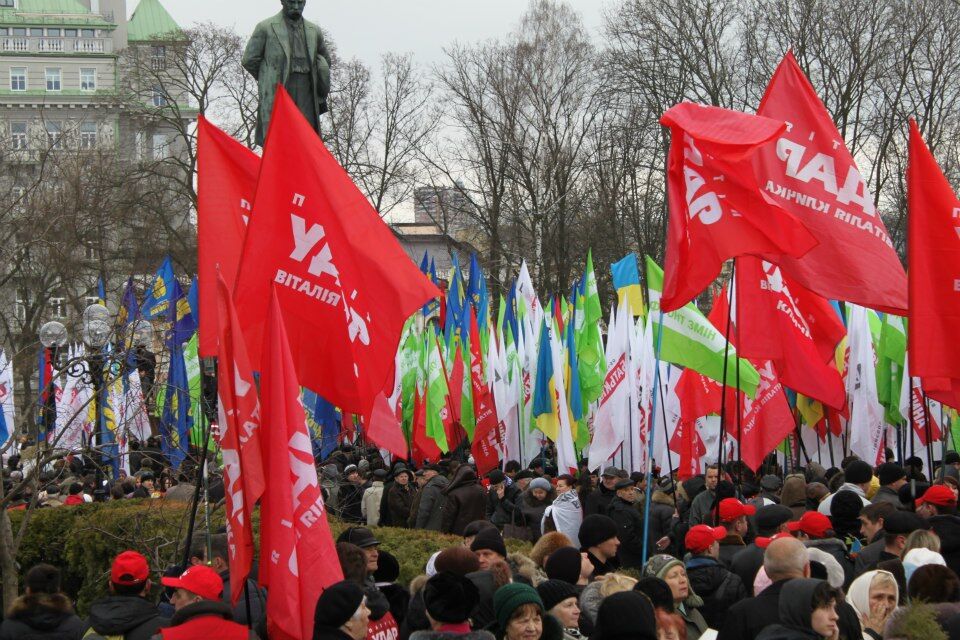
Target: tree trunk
[{"x": 8, "y": 565}]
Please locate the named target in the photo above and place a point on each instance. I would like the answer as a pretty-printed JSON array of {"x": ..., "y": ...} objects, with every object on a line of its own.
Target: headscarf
[
  {"x": 919, "y": 557},
  {"x": 858, "y": 595}
]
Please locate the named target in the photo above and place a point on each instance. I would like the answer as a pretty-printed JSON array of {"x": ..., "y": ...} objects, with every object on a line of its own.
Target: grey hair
[{"x": 785, "y": 557}]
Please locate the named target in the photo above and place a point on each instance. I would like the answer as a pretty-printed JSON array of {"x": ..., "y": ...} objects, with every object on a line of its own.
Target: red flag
[
  {"x": 934, "y": 254},
  {"x": 383, "y": 427},
  {"x": 344, "y": 283},
  {"x": 455, "y": 384},
  {"x": 485, "y": 445},
  {"x": 699, "y": 395},
  {"x": 919, "y": 411},
  {"x": 773, "y": 314},
  {"x": 239, "y": 410},
  {"x": 687, "y": 442},
  {"x": 766, "y": 420},
  {"x": 226, "y": 183},
  {"x": 810, "y": 173},
  {"x": 298, "y": 558},
  {"x": 424, "y": 447},
  {"x": 717, "y": 210}
]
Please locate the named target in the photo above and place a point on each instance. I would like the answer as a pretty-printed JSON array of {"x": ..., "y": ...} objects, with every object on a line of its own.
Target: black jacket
[
  {"x": 948, "y": 528},
  {"x": 351, "y": 495},
  {"x": 464, "y": 501},
  {"x": 716, "y": 585},
  {"x": 598, "y": 501},
  {"x": 602, "y": 568},
  {"x": 429, "y": 514},
  {"x": 746, "y": 564},
  {"x": 257, "y": 597},
  {"x": 130, "y": 616},
  {"x": 730, "y": 547},
  {"x": 399, "y": 500},
  {"x": 662, "y": 509},
  {"x": 42, "y": 616},
  {"x": 629, "y": 530}
]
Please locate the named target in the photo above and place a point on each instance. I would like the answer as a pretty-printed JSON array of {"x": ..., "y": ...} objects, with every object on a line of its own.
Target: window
[
  {"x": 18, "y": 135},
  {"x": 4, "y": 31},
  {"x": 88, "y": 79},
  {"x": 18, "y": 78},
  {"x": 8, "y": 3},
  {"x": 89, "y": 133},
  {"x": 158, "y": 59},
  {"x": 159, "y": 99},
  {"x": 58, "y": 307},
  {"x": 53, "y": 79},
  {"x": 19, "y": 31},
  {"x": 54, "y": 134},
  {"x": 88, "y": 33},
  {"x": 37, "y": 33},
  {"x": 90, "y": 253},
  {"x": 55, "y": 33},
  {"x": 159, "y": 146},
  {"x": 70, "y": 33}
]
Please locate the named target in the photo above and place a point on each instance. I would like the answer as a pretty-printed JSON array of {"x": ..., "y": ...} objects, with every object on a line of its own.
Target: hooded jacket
[
  {"x": 629, "y": 531},
  {"x": 464, "y": 501},
  {"x": 948, "y": 528},
  {"x": 41, "y": 616},
  {"x": 662, "y": 509},
  {"x": 717, "y": 586},
  {"x": 204, "y": 619},
  {"x": 399, "y": 501},
  {"x": 130, "y": 616},
  {"x": 794, "y": 495},
  {"x": 429, "y": 514},
  {"x": 795, "y": 607},
  {"x": 529, "y": 511}
]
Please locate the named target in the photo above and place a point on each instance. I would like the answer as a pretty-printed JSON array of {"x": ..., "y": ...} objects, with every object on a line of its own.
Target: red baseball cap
[
  {"x": 129, "y": 568},
  {"x": 731, "y": 509},
  {"x": 940, "y": 495},
  {"x": 199, "y": 579},
  {"x": 812, "y": 523},
  {"x": 700, "y": 537},
  {"x": 764, "y": 542}
]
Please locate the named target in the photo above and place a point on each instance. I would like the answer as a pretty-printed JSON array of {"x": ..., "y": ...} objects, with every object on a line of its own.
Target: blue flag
[
  {"x": 477, "y": 292},
  {"x": 129, "y": 309},
  {"x": 158, "y": 300},
  {"x": 176, "y": 421},
  {"x": 101, "y": 292},
  {"x": 456, "y": 305},
  {"x": 182, "y": 321},
  {"x": 327, "y": 416}
]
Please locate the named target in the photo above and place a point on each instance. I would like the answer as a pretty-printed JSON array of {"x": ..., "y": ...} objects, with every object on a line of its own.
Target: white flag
[
  {"x": 613, "y": 412},
  {"x": 866, "y": 413},
  {"x": 7, "y": 414}
]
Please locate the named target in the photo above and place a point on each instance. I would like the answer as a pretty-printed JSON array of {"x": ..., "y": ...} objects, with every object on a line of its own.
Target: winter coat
[
  {"x": 330, "y": 480},
  {"x": 429, "y": 515},
  {"x": 629, "y": 531},
  {"x": 464, "y": 501},
  {"x": 132, "y": 617},
  {"x": 700, "y": 508},
  {"x": 795, "y": 607},
  {"x": 662, "y": 510},
  {"x": 602, "y": 568},
  {"x": 564, "y": 515},
  {"x": 399, "y": 500},
  {"x": 696, "y": 625},
  {"x": 204, "y": 619},
  {"x": 746, "y": 564},
  {"x": 730, "y": 546},
  {"x": 370, "y": 504},
  {"x": 886, "y": 494},
  {"x": 45, "y": 616},
  {"x": 529, "y": 511},
  {"x": 351, "y": 498},
  {"x": 257, "y": 597},
  {"x": 445, "y": 635},
  {"x": 948, "y": 528},
  {"x": 717, "y": 586},
  {"x": 869, "y": 556},
  {"x": 598, "y": 501}
]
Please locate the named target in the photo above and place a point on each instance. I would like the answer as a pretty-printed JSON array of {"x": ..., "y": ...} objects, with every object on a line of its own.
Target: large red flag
[
  {"x": 934, "y": 254},
  {"x": 226, "y": 183},
  {"x": 345, "y": 285},
  {"x": 486, "y": 435},
  {"x": 717, "y": 210},
  {"x": 775, "y": 321},
  {"x": 239, "y": 410},
  {"x": 298, "y": 558},
  {"x": 699, "y": 395},
  {"x": 810, "y": 173},
  {"x": 766, "y": 420}
]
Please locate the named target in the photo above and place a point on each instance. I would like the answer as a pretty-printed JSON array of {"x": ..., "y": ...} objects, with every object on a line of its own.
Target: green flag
[
  {"x": 689, "y": 340},
  {"x": 410, "y": 347},
  {"x": 891, "y": 355},
  {"x": 591, "y": 362},
  {"x": 437, "y": 392},
  {"x": 192, "y": 361}
]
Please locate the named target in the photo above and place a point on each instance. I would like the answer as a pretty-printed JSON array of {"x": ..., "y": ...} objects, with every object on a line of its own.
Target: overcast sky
[{"x": 368, "y": 28}]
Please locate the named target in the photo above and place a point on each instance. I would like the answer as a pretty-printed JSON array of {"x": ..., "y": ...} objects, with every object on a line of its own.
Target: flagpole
[
  {"x": 723, "y": 383},
  {"x": 666, "y": 433},
  {"x": 736, "y": 355},
  {"x": 913, "y": 437},
  {"x": 656, "y": 385},
  {"x": 929, "y": 433}
]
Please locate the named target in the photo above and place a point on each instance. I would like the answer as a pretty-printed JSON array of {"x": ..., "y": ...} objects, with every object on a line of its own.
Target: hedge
[{"x": 83, "y": 540}]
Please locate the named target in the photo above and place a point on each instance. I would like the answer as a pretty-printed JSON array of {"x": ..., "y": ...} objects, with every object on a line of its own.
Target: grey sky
[{"x": 368, "y": 28}]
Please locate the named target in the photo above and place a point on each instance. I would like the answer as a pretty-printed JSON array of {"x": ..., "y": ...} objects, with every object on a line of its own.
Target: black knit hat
[
  {"x": 553, "y": 592},
  {"x": 890, "y": 472},
  {"x": 564, "y": 564},
  {"x": 658, "y": 591},
  {"x": 450, "y": 598},
  {"x": 627, "y": 615},
  {"x": 858, "y": 472},
  {"x": 596, "y": 529},
  {"x": 489, "y": 539},
  {"x": 388, "y": 568},
  {"x": 337, "y": 604},
  {"x": 475, "y": 527},
  {"x": 496, "y": 476}
]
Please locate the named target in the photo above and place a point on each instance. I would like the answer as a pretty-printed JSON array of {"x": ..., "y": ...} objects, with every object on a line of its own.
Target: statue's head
[{"x": 293, "y": 9}]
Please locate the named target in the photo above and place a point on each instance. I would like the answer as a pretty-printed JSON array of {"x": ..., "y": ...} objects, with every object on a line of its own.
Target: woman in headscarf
[
  {"x": 685, "y": 601},
  {"x": 874, "y": 596},
  {"x": 808, "y": 611}
]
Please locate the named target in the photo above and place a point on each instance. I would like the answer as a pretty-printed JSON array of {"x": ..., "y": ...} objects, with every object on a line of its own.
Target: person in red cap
[
  {"x": 733, "y": 517},
  {"x": 816, "y": 531},
  {"x": 200, "y": 615},
  {"x": 719, "y": 587},
  {"x": 938, "y": 505},
  {"x": 126, "y": 611}
]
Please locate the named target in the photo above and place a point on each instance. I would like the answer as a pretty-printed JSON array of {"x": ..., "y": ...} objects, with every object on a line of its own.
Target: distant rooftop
[
  {"x": 30, "y": 12},
  {"x": 150, "y": 22}
]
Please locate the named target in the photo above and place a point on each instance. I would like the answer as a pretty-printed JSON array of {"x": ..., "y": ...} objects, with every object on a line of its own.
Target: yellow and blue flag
[
  {"x": 626, "y": 280},
  {"x": 158, "y": 300},
  {"x": 545, "y": 411}
]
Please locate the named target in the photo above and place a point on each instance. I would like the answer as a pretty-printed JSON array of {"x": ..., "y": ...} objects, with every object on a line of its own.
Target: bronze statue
[{"x": 290, "y": 50}]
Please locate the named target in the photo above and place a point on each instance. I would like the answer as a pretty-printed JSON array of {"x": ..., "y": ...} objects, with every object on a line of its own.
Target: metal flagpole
[{"x": 656, "y": 385}]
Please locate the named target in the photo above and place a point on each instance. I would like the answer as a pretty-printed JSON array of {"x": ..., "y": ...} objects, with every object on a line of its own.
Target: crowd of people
[{"x": 853, "y": 552}]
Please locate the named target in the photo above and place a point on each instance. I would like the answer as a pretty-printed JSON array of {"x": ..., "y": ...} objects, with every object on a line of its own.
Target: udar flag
[
  {"x": 226, "y": 184},
  {"x": 691, "y": 341},
  {"x": 345, "y": 285},
  {"x": 717, "y": 210},
  {"x": 934, "y": 255},
  {"x": 809, "y": 172}
]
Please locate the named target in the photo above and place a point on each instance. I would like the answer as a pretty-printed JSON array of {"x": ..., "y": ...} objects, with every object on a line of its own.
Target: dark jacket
[
  {"x": 41, "y": 616},
  {"x": 795, "y": 608},
  {"x": 399, "y": 500},
  {"x": 662, "y": 509},
  {"x": 948, "y": 528},
  {"x": 464, "y": 501},
  {"x": 529, "y": 512},
  {"x": 598, "y": 501},
  {"x": 351, "y": 497},
  {"x": 730, "y": 547},
  {"x": 257, "y": 597},
  {"x": 204, "y": 619},
  {"x": 442, "y": 635},
  {"x": 717, "y": 586},
  {"x": 602, "y": 568},
  {"x": 325, "y": 633},
  {"x": 629, "y": 531},
  {"x": 870, "y": 556},
  {"x": 886, "y": 494},
  {"x": 746, "y": 564},
  {"x": 429, "y": 515},
  {"x": 130, "y": 616},
  {"x": 700, "y": 507}
]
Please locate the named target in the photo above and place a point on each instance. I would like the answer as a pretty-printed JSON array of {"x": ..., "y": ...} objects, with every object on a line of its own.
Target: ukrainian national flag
[
  {"x": 545, "y": 411},
  {"x": 626, "y": 280},
  {"x": 158, "y": 300}
]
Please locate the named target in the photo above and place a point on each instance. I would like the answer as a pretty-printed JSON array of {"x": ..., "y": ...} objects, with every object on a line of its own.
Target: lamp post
[{"x": 53, "y": 336}]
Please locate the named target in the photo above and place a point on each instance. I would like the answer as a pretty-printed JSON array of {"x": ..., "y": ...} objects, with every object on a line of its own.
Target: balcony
[{"x": 23, "y": 44}]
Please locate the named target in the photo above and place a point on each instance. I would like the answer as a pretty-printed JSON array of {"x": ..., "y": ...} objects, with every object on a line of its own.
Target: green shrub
[{"x": 83, "y": 541}]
